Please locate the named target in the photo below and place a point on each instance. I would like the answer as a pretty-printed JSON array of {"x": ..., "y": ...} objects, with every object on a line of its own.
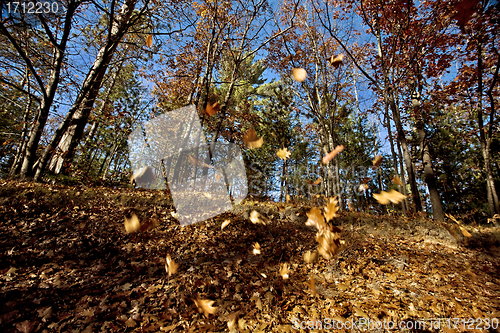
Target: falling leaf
[
  {"x": 451, "y": 217},
  {"x": 170, "y": 265},
  {"x": 315, "y": 219},
  {"x": 299, "y": 74},
  {"x": 396, "y": 181},
  {"x": 288, "y": 198},
  {"x": 336, "y": 61},
  {"x": 363, "y": 187},
  {"x": 284, "y": 270},
  {"x": 332, "y": 154},
  {"x": 316, "y": 182},
  {"x": 174, "y": 215},
  {"x": 312, "y": 285},
  {"x": 310, "y": 257},
  {"x": 331, "y": 209},
  {"x": 257, "y": 218},
  {"x": 256, "y": 248},
  {"x": 212, "y": 109},
  {"x": 328, "y": 242},
  {"x": 149, "y": 41},
  {"x": 225, "y": 224},
  {"x": 251, "y": 140},
  {"x": 283, "y": 154},
  {"x": 464, "y": 232},
  {"x": 205, "y": 306},
  {"x": 377, "y": 161},
  {"x": 132, "y": 224},
  {"x": 392, "y": 196}
]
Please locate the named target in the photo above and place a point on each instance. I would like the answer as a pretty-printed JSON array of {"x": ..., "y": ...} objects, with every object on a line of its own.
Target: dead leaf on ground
[
  {"x": 312, "y": 286},
  {"x": 328, "y": 157},
  {"x": 384, "y": 198},
  {"x": 284, "y": 270},
  {"x": 132, "y": 224},
  {"x": 299, "y": 74}
]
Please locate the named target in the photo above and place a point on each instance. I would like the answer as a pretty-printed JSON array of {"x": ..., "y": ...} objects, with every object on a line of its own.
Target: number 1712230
[{"x": 32, "y": 7}]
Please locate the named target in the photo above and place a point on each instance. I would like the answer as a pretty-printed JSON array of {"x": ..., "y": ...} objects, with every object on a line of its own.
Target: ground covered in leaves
[{"x": 67, "y": 265}]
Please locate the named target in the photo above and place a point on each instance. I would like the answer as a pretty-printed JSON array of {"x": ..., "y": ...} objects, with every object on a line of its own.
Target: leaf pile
[{"x": 67, "y": 264}]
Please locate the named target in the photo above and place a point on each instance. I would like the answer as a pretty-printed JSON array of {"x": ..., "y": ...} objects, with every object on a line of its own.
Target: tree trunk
[{"x": 71, "y": 129}]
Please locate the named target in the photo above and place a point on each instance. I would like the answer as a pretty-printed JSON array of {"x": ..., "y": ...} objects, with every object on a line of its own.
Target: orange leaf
[
  {"x": 332, "y": 154},
  {"x": 251, "y": 140},
  {"x": 377, "y": 161},
  {"x": 317, "y": 182},
  {"x": 331, "y": 209},
  {"x": 396, "y": 181},
  {"x": 212, "y": 109},
  {"x": 149, "y": 41}
]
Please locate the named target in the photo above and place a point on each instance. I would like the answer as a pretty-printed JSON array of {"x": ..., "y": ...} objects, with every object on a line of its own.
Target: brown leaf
[
  {"x": 332, "y": 154},
  {"x": 336, "y": 60},
  {"x": 205, "y": 306},
  {"x": 396, "y": 181},
  {"x": 149, "y": 41},
  {"x": 299, "y": 74},
  {"x": 377, "y": 161},
  {"x": 257, "y": 218},
  {"x": 312, "y": 285},
  {"x": 251, "y": 140},
  {"x": 132, "y": 224},
  {"x": 384, "y": 198},
  {"x": 464, "y": 232},
  {"x": 316, "y": 182},
  {"x": 130, "y": 323},
  {"x": 256, "y": 248},
  {"x": 170, "y": 265},
  {"x": 315, "y": 219}
]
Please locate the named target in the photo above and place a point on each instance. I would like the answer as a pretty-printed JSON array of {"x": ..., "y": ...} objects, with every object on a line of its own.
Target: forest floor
[{"x": 67, "y": 265}]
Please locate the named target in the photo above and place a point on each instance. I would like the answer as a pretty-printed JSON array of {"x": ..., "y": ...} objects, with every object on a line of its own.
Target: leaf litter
[{"x": 68, "y": 266}]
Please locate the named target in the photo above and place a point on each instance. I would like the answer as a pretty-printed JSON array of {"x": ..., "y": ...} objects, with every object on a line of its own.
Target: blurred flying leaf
[
  {"x": 284, "y": 270},
  {"x": 170, "y": 265},
  {"x": 299, "y": 74},
  {"x": 314, "y": 183},
  {"x": 257, "y": 218},
  {"x": 205, "y": 306},
  {"x": 331, "y": 209},
  {"x": 310, "y": 257},
  {"x": 256, "y": 248},
  {"x": 336, "y": 60},
  {"x": 132, "y": 224},
  {"x": 224, "y": 224},
  {"x": 212, "y": 109},
  {"x": 251, "y": 140},
  {"x": 332, "y": 154},
  {"x": 396, "y": 181},
  {"x": 384, "y": 198},
  {"x": 312, "y": 285},
  {"x": 377, "y": 161},
  {"x": 149, "y": 41},
  {"x": 363, "y": 187}
]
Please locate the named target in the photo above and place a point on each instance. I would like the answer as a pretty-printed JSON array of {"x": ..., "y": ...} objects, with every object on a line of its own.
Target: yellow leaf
[
  {"x": 396, "y": 181},
  {"x": 212, "y": 109},
  {"x": 205, "y": 306},
  {"x": 288, "y": 198},
  {"x": 360, "y": 313},
  {"x": 331, "y": 209},
  {"x": 170, "y": 265},
  {"x": 362, "y": 187},
  {"x": 251, "y": 140},
  {"x": 312, "y": 285},
  {"x": 299, "y": 74},
  {"x": 377, "y": 161},
  {"x": 132, "y": 224},
  {"x": 392, "y": 196},
  {"x": 310, "y": 257},
  {"x": 149, "y": 41},
  {"x": 283, "y": 154},
  {"x": 332, "y": 154},
  {"x": 284, "y": 271},
  {"x": 224, "y": 224}
]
